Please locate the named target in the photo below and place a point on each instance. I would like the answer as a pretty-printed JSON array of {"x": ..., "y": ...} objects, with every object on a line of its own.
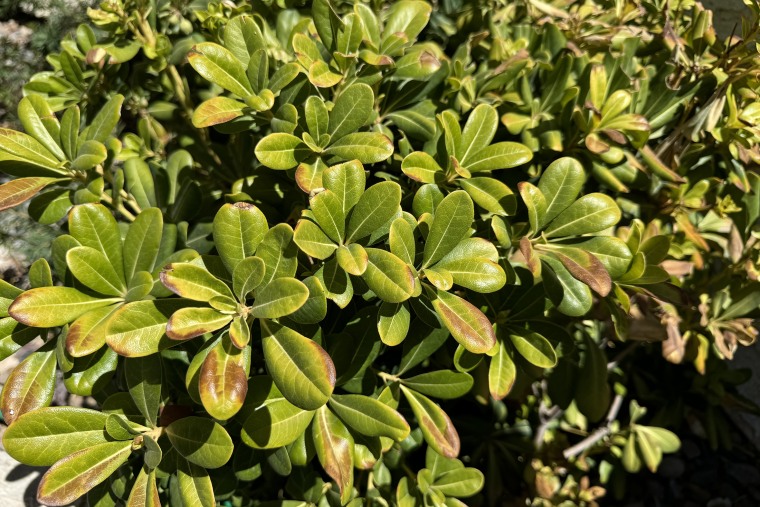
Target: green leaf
[
  {"x": 201, "y": 441},
  {"x": 242, "y": 36},
  {"x": 478, "y": 274},
  {"x": 453, "y": 219},
  {"x": 25, "y": 148},
  {"x": 238, "y": 231},
  {"x": 478, "y": 132},
  {"x": 352, "y": 258},
  {"x": 278, "y": 252},
  {"x": 90, "y": 154},
  {"x": 223, "y": 381},
  {"x": 74, "y": 475},
  {"x": 536, "y": 203},
  {"x": 218, "y": 65},
  {"x": 408, "y": 17},
  {"x": 89, "y": 375},
  {"x": 421, "y": 167},
  {"x": 94, "y": 226},
  {"x": 312, "y": 240},
  {"x": 316, "y": 115},
  {"x": 337, "y": 283},
  {"x": 666, "y": 440},
  {"x": 501, "y": 373},
  {"x": 401, "y": 241},
  {"x": 300, "y": 368},
  {"x": 569, "y": 295},
  {"x": 444, "y": 384},
  {"x": 30, "y": 385},
  {"x": 327, "y": 210},
  {"x": 70, "y": 131},
  {"x": 591, "y": 213},
  {"x": 586, "y": 268},
  {"x": 592, "y": 392},
  {"x": 20, "y": 190},
  {"x": 143, "y": 376},
  {"x": 393, "y": 322},
  {"x": 51, "y": 206},
  {"x": 366, "y": 147},
  {"x": 347, "y": 182},
  {"x": 466, "y": 323},
  {"x": 369, "y": 416},
  {"x": 54, "y": 306},
  {"x": 140, "y": 182},
  {"x": 560, "y": 184},
  {"x": 139, "y": 329},
  {"x": 42, "y": 437},
  {"x": 490, "y": 194},
  {"x": 461, "y": 483},
  {"x": 335, "y": 450},
  {"x": 106, "y": 120},
  {"x": 217, "y": 110},
  {"x": 187, "y": 323},
  {"x": 499, "y": 156},
  {"x": 533, "y": 347},
  {"x": 193, "y": 282},
  {"x": 314, "y": 309},
  {"x": 13, "y": 336},
  {"x": 388, "y": 276},
  {"x": 351, "y": 111},
  {"x": 258, "y": 70},
  {"x": 40, "y": 121},
  {"x": 435, "y": 424},
  {"x": 612, "y": 252},
  {"x": 322, "y": 76},
  {"x": 88, "y": 333},
  {"x": 142, "y": 242},
  {"x": 144, "y": 491},
  {"x": 279, "y": 298},
  {"x": 246, "y": 276},
  {"x": 421, "y": 343},
  {"x": 195, "y": 486},
  {"x": 281, "y": 151},
  {"x": 93, "y": 269},
  {"x": 377, "y": 205},
  {"x": 274, "y": 424}
]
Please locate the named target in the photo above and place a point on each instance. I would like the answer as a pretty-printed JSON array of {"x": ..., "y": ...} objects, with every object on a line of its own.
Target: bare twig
[{"x": 599, "y": 433}]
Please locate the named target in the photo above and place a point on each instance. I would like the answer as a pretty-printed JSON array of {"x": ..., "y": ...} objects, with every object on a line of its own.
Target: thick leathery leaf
[
  {"x": 560, "y": 184},
  {"x": 94, "y": 226},
  {"x": 87, "y": 334},
  {"x": 30, "y": 385},
  {"x": 40, "y": 121},
  {"x": 353, "y": 259},
  {"x": 54, "y": 306},
  {"x": 466, "y": 323},
  {"x": 388, "y": 276},
  {"x": 335, "y": 450},
  {"x": 536, "y": 203},
  {"x": 435, "y": 424},
  {"x": 366, "y": 147},
  {"x": 451, "y": 224},
  {"x": 279, "y": 253},
  {"x": 106, "y": 120},
  {"x": 312, "y": 240},
  {"x": 533, "y": 347},
  {"x": 193, "y": 282},
  {"x": 201, "y": 441},
  {"x": 142, "y": 242},
  {"x": 20, "y": 190},
  {"x": 300, "y": 368},
  {"x": 42, "y": 437},
  {"x": 346, "y": 181},
  {"x": 74, "y": 475},
  {"x": 281, "y": 297},
  {"x": 219, "y": 65},
  {"x": 314, "y": 309},
  {"x": 94, "y": 270},
  {"x": 369, "y": 416},
  {"x": 195, "y": 486},
  {"x": 281, "y": 151},
  {"x": 224, "y": 379},
  {"x": 591, "y": 213},
  {"x": 444, "y": 384},
  {"x": 274, "y": 424},
  {"x": 501, "y": 373},
  {"x": 376, "y": 206},
  {"x": 351, "y": 110},
  {"x": 139, "y": 328},
  {"x": 393, "y": 322},
  {"x": 327, "y": 210},
  {"x": 143, "y": 376},
  {"x": 187, "y": 323},
  {"x": 217, "y": 110},
  {"x": 238, "y": 230},
  {"x": 247, "y": 276}
]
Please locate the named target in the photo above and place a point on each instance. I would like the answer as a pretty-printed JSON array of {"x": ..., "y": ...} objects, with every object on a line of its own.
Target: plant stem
[{"x": 598, "y": 434}]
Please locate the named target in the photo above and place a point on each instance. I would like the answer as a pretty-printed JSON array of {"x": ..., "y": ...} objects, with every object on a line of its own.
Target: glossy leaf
[
  {"x": 301, "y": 369},
  {"x": 144, "y": 381},
  {"x": 20, "y": 190},
  {"x": 274, "y": 424},
  {"x": 74, "y": 475},
  {"x": 54, "y": 306},
  {"x": 94, "y": 270},
  {"x": 335, "y": 450},
  {"x": 201, "y": 441},
  {"x": 218, "y": 65},
  {"x": 369, "y": 416},
  {"x": 193, "y": 282},
  {"x": 453, "y": 218},
  {"x": 443, "y": 384},
  {"x": 377, "y": 205},
  {"x": 224, "y": 379},
  {"x": 388, "y": 276},
  {"x": 590, "y": 213},
  {"x": 435, "y": 424},
  {"x": 560, "y": 184},
  {"x": 366, "y": 147},
  {"x": 279, "y": 298},
  {"x": 30, "y": 385},
  {"x": 466, "y": 323},
  {"x": 281, "y": 151}
]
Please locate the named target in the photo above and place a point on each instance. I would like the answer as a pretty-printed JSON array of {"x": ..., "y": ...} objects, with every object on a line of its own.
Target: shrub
[{"x": 316, "y": 253}]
